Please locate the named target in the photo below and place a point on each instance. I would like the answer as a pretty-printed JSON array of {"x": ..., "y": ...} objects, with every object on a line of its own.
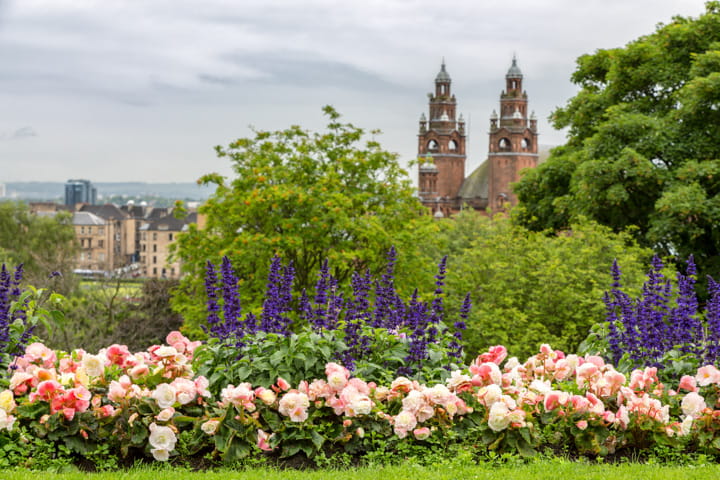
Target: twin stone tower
[{"x": 513, "y": 146}]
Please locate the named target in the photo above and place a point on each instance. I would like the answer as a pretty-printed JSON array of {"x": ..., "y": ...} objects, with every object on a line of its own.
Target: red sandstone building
[{"x": 442, "y": 184}]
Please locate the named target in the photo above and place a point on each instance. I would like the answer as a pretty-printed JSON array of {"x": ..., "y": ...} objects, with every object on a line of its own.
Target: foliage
[
  {"x": 530, "y": 288},
  {"x": 642, "y": 147},
  {"x": 664, "y": 327},
  {"x": 306, "y": 197},
  {"x": 374, "y": 332},
  {"x": 44, "y": 246},
  {"x": 114, "y": 311}
]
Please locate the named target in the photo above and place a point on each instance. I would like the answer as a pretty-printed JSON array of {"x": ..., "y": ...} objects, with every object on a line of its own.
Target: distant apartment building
[
  {"x": 125, "y": 251},
  {"x": 95, "y": 235},
  {"x": 156, "y": 236},
  {"x": 80, "y": 191}
]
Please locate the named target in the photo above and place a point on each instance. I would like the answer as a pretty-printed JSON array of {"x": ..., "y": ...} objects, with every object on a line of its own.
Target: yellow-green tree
[{"x": 305, "y": 196}]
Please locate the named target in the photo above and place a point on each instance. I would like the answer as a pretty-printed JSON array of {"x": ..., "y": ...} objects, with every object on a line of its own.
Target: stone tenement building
[{"x": 442, "y": 184}]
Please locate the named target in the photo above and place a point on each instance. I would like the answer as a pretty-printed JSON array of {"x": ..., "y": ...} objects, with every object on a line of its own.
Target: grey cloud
[{"x": 19, "y": 134}]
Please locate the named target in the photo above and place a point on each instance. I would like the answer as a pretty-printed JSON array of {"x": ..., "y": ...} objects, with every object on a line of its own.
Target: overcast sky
[{"x": 142, "y": 90}]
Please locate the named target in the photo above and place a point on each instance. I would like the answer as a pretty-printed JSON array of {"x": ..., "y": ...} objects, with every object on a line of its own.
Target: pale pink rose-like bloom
[
  {"x": 421, "y": 433},
  {"x": 356, "y": 403},
  {"x": 413, "y": 401},
  {"x": 596, "y": 405},
  {"x": 210, "y": 427},
  {"x": 263, "y": 440},
  {"x": 437, "y": 394},
  {"x": 242, "y": 396},
  {"x": 688, "y": 383},
  {"x": 381, "y": 393},
  {"x": 319, "y": 388},
  {"x": 403, "y": 422},
  {"x": 360, "y": 432},
  {"x": 337, "y": 376},
  {"x": 498, "y": 418},
  {"x": 643, "y": 379},
  {"x": 6, "y": 421},
  {"x": 38, "y": 352},
  {"x": 294, "y": 405},
  {"x": 579, "y": 403},
  {"x": 360, "y": 385},
  {"x": 686, "y": 426},
  {"x": 166, "y": 351},
  {"x": 165, "y": 414},
  {"x": 596, "y": 360},
  {"x": 582, "y": 424},
  {"x": 555, "y": 399},
  {"x": 201, "y": 386},
  {"x": 707, "y": 375},
  {"x": 489, "y": 394},
  {"x": 547, "y": 350},
  {"x": 693, "y": 404},
  {"x": 512, "y": 363},
  {"x": 459, "y": 382},
  {"x": 424, "y": 413},
  {"x": 586, "y": 373},
  {"x": 185, "y": 390},
  {"x": 21, "y": 382},
  {"x": 401, "y": 384},
  {"x": 117, "y": 354},
  {"x": 139, "y": 370},
  {"x": 265, "y": 395},
  {"x": 165, "y": 395},
  {"x": 540, "y": 386},
  {"x": 116, "y": 392},
  {"x": 106, "y": 411},
  {"x": 517, "y": 417},
  {"x": 622, "y": 417}
]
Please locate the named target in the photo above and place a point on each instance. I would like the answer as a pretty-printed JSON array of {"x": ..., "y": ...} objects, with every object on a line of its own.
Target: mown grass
[{"x": 554, "y": 470}]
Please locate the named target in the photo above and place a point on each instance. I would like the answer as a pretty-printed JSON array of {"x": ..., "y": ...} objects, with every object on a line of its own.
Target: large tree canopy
[
  {"x": 643, "y": 145},
  {"x": 305, "y": 196}
]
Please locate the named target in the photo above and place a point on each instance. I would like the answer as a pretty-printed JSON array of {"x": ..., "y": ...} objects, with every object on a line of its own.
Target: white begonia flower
[
  {"x": 94, "y": 365},
  {"x": 161, "y": 437},
  {"x": 164, "y": 395}
]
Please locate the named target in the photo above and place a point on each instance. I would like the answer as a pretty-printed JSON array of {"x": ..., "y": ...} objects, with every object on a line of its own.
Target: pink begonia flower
[
  {"x": 139, "y": 370},
  {"x": 688, "y": 384},
  {"x": 165, "y": 395},
  {"x": 117, "y": 354},
  {"x": 201, "y": 385},
  {"x": 116, "y": 392},
  {"x": 643, "y": 379},
  {"x": 707, "y": 375},
  {"x": 596, "y": 405},
  {"x": 360, "y": 432},
  {"x": 581, "y": 424},
  {"x": 6, "y": 420},
  {"x": 401, "y": 385},
  {"x": 555, "y": 399},
  {"x": 265, "y": 395},
  {"x": 693, "y": 404},
  {"x": 21, "y": 382},
  {"x": 282, "y": 384},
  {"x": 68, "y": 365},
  {"x": 263, "y": 440},
  {"x": 686, "y": 426},
  {"x": 337, "y": 376},
  {"x": 485, "y": 373},
  {"x": 494, "y": 354},
  {"x": 160, "y": 454},
  {"x": 437, "y": 394},
  {"x": 37, "y": 352},
  {"x": 294, "y": 405},
  {"x": 242, "y": 396},
  {"x": 165, "y": 414},
  {"x": 459, "y": 382},
  {"x": 422, "y": 433},
  {"x": 356, "y": 403},
  {"x": 319, "y": 389},
  {"x": 185, "y": 390},
  {"x": 106, "y": 411},
  {"x": 403, "y": 422}
]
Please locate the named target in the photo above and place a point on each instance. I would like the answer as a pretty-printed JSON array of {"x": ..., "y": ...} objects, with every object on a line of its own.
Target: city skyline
[{"x": 143, "y": 91}]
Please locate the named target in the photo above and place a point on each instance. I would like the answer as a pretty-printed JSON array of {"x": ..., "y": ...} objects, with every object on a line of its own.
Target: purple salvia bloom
[
  {"x": 216, "y": 328},
  {"x": 712, "y": 318},
  {"x": 321, "y": 287},
  {"x": 231, "y": 298},
  {"x": 455, "y": 345}
]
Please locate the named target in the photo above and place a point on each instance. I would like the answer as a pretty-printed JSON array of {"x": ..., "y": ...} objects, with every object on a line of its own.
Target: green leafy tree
[
  {"x": 305, "y": 196},
  {"x": 642, "y": 145},
  {"x": 42, "y": 244},
  {"x": 530, "y": 288}
]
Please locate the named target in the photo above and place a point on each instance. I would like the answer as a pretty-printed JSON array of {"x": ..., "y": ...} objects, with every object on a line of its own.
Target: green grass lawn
[{"x": 555, "y": 470}]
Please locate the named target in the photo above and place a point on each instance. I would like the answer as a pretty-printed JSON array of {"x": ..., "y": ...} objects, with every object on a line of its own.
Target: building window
[
  {"x": 155, "y": 271},
  {"x": 89, "y": 242},
  {"x": 154, "y": 259},
  {"x": 154, "y": 247},
  {"x": 170, "y": 236},
  {"x": 101, "y": 230},
  {"x": 101, "y": 256},
  {"x": 154, "y": 235},
  {"x": 101, "y": 243},
  {"x": 82, "y": 230},
  {"x": 89, "y": 255},
  {"x": 143, "y": 247}
]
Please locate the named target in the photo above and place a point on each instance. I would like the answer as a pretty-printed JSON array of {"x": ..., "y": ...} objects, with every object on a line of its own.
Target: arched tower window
[
  {"x": 452, "y": 146},
  {"x": 504, "y": 145},
  {"x": 525, "y": 143},
  {"x": 432, "y": 145}
]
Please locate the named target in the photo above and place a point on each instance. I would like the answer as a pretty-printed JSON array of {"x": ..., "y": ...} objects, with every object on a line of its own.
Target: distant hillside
[{"x": 52, "y": 191}]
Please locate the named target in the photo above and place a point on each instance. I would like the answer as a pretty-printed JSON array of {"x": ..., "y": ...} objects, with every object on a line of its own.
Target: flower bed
[{"x": 150, "y": 404}]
